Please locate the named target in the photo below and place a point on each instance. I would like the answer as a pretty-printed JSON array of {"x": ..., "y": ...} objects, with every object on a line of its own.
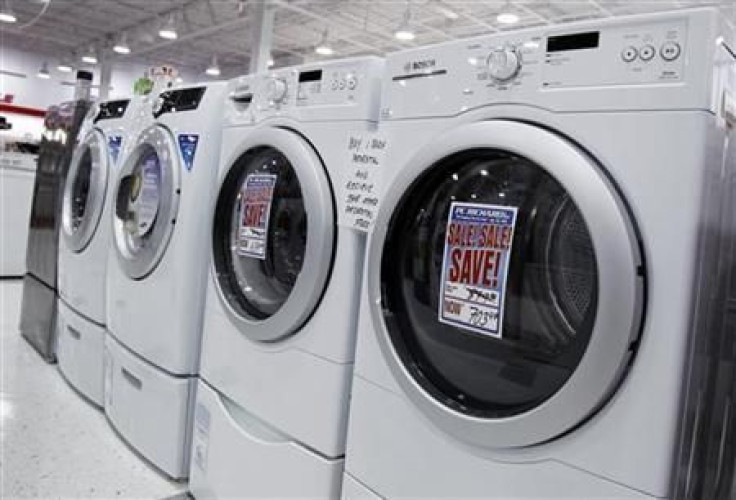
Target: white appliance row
[{"x": 552, "y": 253}]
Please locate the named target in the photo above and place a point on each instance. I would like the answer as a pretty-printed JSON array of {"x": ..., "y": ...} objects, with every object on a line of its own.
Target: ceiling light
[
  {"x": 121, "y": 47},
  {"x": 214, "y": 68},
  {"x": 6, "y": 14},
  {"x": 65, "y": 67},
  {"x": 507, "y": 18},
  {"x": 168, "y": 30},
  {"x": 90, "y": 57},
  {"x": 270, "y": 62},
  {"x": 404, "y": 31},
  {"x": 405, "y": 34},
  {"x": 323, "y": 48},
  {"x": 44, "y": 71}
]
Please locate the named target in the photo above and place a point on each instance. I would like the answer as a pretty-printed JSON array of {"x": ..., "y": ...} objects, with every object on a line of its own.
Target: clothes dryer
[
  {"x": 157, "y": 272},
  {"x": 550, "y": 270},
  {"x": 282, "y": 297}
]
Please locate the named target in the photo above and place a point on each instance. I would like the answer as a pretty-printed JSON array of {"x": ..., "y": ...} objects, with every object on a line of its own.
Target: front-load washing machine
[
  {"x": 85, "y": 239},
  {"x": 282, "y": 299},
  {"x": 544, "y": 308},
  {"x": 157, "y": 271}
]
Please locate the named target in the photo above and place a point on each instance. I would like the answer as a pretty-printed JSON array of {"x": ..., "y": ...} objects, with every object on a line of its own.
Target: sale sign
[
  {"x": 475, "y": 266},
  {"x": 255, "y": 208}
]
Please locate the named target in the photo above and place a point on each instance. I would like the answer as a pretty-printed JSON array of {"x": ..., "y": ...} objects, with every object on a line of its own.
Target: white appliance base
[
  {"x": 149, "y": 408},
  {"x": 235, "y": 455},
  {"x": 81, "y": 344}
]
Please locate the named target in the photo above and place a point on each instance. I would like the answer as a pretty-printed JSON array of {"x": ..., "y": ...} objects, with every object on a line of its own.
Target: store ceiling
[{"x": 68, "y": 28}]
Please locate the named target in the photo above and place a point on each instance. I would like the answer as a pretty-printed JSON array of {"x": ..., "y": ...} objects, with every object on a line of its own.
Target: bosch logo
[{"x": 420, "y": 65}]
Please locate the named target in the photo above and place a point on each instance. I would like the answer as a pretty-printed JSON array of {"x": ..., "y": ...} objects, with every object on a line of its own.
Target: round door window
[
  {"x": 141, "y": 200},
  {"x": 84, "y": 192},
  {"x": 146, "y": 202},
  {"x": 80, "y": 189},
  {"x": 260, "y": 233},
  {"x": 490, "y": 307}
]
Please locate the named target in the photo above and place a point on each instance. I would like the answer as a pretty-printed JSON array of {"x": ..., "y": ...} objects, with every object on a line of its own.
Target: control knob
[
  {"x": 276, "y": 90},
  {"x": 504, "y": 64}
]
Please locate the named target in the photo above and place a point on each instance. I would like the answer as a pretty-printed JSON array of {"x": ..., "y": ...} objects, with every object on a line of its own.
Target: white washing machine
[
  {"x": 85, "y": 240},
  {"x": 157, "y": 271},
  {"x": 17, "y": 177},
  {"x": 282, "y": 298},
  {"x": 549, "y": 270}
]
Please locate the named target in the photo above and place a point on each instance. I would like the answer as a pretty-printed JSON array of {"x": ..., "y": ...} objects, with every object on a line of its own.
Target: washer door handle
[
  {"x": 132, "y": 379},
  {"x": 74, "y": 333}
]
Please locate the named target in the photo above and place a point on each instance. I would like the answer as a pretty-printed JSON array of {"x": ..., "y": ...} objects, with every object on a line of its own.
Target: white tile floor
[{"x": 54, "y": 444}]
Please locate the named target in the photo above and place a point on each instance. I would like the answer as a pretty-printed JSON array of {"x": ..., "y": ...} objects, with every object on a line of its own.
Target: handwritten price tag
[{"x": 361, "y": 195}]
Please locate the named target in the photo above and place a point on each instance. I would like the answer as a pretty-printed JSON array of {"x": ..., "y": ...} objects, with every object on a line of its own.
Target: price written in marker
[{"x": 361, "y": 195}]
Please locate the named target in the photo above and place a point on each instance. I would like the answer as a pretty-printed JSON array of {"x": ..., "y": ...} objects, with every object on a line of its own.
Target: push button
[
  {"x": 670, "y": 51},
  {"x": 629, "y": 54},
  {"x": 647, "y": 52}
]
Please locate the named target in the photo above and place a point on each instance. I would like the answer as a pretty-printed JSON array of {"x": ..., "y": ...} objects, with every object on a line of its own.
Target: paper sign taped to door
[
  {"x": 148, "y": 199},
  {"x": 475, "y": 266},
  {"x": 361, "y": 180},
  {"x": 255, "y": 209}
]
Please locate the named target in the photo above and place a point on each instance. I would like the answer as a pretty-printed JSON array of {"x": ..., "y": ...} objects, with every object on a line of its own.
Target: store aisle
[{"x": 54, "y": 444}]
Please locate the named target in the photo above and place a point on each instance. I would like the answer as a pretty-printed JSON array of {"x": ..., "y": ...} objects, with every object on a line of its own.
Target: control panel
[
  {"x": 622, "y": 55},
  {"x": 111, "y": 109},
  {"x": 174, "y": 101},
  {"x": 664, "y": 60},
  {"x": 346, "y": 89},
  {"x": 330, "y": 85}
]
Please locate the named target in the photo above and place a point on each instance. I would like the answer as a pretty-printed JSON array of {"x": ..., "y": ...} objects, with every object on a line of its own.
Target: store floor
[{"x": 54, "y": 444}]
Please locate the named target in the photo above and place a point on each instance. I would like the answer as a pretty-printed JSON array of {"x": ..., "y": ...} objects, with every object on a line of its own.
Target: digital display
[
  {"x": 578, "y": 41},
  {"x": 310, "y": 76}
]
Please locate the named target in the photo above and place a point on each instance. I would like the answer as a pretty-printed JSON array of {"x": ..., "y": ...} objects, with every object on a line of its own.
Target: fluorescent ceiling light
[
  {"x": 44, "y": 72},
  {"x": 405, "y": 34},
  {"x": 324, "y": 50},
  {"x": 404, "y": 31},
  {"x": 65, "y": 67},
  {"x": 7, "y": 16},
  {"x": 121, "y": 47},
  {"x": 214, "y": 68},
  {"x": 90, "y": 57},
  {"x": 507, "y": 18},
  {"x": 168, "y": 30}
]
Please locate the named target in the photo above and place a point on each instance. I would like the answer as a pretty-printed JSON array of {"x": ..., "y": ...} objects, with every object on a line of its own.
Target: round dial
[
  {"x": 504, "y": 64},
  {"x": 276, "y": 90}
]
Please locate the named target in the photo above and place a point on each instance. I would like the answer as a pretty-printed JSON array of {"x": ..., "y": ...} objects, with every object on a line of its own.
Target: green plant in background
[{"x": 143, "y": 86}]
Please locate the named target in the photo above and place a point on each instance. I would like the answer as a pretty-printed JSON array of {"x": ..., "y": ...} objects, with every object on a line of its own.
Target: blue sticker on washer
[
  {"x": 188, "y": 146},
  {"x": 114, "y": 143},
  {"x": 475, "y": 266}
]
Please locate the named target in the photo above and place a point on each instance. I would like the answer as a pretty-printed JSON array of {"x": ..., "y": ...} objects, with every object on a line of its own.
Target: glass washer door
[
  {"x": 574, "y": 291},
  {"x": 146, "y": 202},
  {"x": 273, "y": 234},
  {"x": 85, "y": 191}
]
